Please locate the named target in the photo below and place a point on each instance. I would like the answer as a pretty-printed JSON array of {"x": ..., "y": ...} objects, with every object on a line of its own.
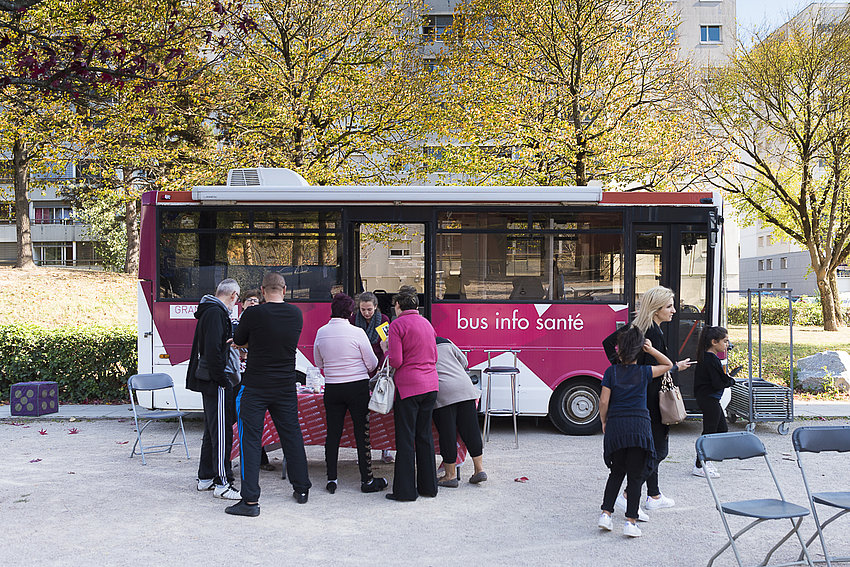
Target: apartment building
[{"x": 58, "y": 240}]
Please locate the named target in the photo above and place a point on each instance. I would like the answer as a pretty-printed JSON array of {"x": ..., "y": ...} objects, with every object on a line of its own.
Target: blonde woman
[{"x": 656, "y": 307}]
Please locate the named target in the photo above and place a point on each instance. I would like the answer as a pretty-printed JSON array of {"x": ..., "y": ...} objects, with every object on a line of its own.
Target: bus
[{"x": 546, "y": 271}]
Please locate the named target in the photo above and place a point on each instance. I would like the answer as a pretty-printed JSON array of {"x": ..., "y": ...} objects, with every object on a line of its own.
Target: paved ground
[{"x": 75, "y": 498}]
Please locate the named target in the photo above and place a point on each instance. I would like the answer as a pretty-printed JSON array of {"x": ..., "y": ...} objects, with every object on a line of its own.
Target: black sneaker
[
  {"x": 331, "y": 486},
  {"x": 374, "y": 485},
  {"x": 300, "y": 497},
  {"x": 242, "y": 508}
]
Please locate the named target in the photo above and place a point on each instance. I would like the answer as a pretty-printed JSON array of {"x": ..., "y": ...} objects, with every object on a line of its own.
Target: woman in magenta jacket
[{"x": 412, "y": 351}]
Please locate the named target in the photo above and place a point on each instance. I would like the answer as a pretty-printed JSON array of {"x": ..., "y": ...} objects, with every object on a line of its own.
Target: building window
[
  {"x": 399, "y": 252},
  {"x": 761, "y": 242},
  {"x": 7, "y": 212},
  {"x": 768, "y": 264},
  {"x": 434, "y": 27},
  {"x": 53, "y": 253},
  {"x": 783, "y": 263},
  {"x": 709, "y": 34},
  {"x": 761, "y": 265},
  {"x": 761, "y": 285},
  {"x": 768, "y": 240},
  {"x": 784, "y": 285},
  {"x": 52, "y": 215},
  {"x": 769, "y": 285}
]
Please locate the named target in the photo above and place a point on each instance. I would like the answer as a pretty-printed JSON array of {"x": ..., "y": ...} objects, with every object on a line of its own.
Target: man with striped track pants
[{"x": 214, "y": 371}]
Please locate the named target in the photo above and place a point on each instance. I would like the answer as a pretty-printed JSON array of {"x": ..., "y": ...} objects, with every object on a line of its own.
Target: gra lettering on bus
[{"x": 182, "y": 311}]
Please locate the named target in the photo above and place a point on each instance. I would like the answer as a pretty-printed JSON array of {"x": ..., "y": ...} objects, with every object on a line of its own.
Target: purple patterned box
[{"x": 34, "y": 398}]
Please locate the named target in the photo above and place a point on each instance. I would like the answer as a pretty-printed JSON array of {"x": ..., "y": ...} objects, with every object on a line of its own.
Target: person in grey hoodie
[{"x": 214, "y": 371}]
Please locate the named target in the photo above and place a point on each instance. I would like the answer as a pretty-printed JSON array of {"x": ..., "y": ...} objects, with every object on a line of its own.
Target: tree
[
  {"x": 565, "y": 91},
  {"x": 782, "y": 110},
  {"x": 333, "y": 90},
  {"x": 32, "y": 131}
]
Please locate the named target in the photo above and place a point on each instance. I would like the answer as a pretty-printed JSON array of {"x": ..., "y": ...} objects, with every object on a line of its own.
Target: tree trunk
[
  {"x": 830, "y": 317},
  {"x": 20, "y": 162},
  {"x": 131, "y": 261},
  {"x": 836, "y": 298}
]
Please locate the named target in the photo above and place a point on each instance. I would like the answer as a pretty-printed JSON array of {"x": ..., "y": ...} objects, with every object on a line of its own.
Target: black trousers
[
  {"x": 415, "y": 464},
  {"x": 628, "y": 463},
  {"x": 713, "y": 418},
  {"x": 351, "y": 397},
  {"x": 219, "y": 417},
  {"x": 459, "y": 418},
  {"x": 251, "y": 406},
  {"x": 660, "y": 439}
]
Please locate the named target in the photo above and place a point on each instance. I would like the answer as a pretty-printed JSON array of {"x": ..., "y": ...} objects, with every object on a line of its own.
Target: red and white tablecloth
[{"x": 311, "y": 415}]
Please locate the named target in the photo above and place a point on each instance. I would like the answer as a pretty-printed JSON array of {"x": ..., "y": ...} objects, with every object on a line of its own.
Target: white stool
[{"x": 491, "y": 372}]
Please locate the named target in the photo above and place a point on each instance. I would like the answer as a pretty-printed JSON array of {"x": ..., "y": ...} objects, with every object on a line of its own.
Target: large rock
[{"x": 823, "y": 370}]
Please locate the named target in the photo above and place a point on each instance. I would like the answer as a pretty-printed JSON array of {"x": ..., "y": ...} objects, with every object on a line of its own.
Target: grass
[
  {"x": 53, "y": 297},
  {"x": 775, "y": 351}
]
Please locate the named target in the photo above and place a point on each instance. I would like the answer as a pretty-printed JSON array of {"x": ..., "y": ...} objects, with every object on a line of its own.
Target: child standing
[
  {"x": 710, "y": 379},
  {"x": 628, "y": 448}
]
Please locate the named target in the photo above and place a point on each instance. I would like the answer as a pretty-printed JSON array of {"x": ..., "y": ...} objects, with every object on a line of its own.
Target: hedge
[
  {"x": 775, "y": 312},
  {"x": 90, "y": 363}
]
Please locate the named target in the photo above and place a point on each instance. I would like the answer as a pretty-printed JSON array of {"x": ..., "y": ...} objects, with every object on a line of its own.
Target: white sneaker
[
  {"x": 620, "y": 504},
  {"x": 205, "y": 484},
  {"x": 697, "y": 471},
  {"x": 605, "y": 522},
  {"x": 631, "y": 530},
  {"x": 658, "y": 503},
  {"x": 712, "y": 470},
  {"x": 227, "y": 492}
]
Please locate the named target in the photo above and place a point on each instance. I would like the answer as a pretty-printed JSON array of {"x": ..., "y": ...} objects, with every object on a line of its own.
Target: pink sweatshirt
[
  {"x": 412, "y": 352},
  {"x": 343, "y": 352}
]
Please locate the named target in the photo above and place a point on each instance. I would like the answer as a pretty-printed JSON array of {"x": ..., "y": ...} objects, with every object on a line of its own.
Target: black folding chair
[
  {"x": 743, "y": 445},
  {"x": 151, "y": 383},
  {"x": 826, "y": 439}
]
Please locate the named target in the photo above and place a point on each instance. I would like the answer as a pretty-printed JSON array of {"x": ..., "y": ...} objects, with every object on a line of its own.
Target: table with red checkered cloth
[{"x": 311, "y": 415}]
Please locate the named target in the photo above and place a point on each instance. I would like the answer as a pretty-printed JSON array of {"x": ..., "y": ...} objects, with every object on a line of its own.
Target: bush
[
  {"x": 775, "y": 312},
  {"x": 90, "y": 363}
]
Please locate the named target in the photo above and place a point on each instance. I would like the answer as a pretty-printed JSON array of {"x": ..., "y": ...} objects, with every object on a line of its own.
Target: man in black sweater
[
  {"x": 214, "y": 371},
  {"x": 271, "y": 332}
]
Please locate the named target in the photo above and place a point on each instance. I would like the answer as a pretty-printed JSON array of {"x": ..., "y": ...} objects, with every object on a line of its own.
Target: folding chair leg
[
  {"x": 826, "y": 556},
  {"x": 795, "y": 529},
  {"x": 732, "y": 539}
]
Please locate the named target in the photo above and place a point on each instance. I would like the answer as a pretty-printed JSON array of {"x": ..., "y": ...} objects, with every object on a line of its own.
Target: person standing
[
  {"x": 343, "y": 352},
  {"x": 271, "y": 332},
  {"x": 710, "y": 379},
  {"x": 455, "y": 412},
  {"x": 214, "y": 371},
  {"x": 412, "y": 351},
  {"x": 628, "y": 445},
  {"x": 656, "y": 307}
]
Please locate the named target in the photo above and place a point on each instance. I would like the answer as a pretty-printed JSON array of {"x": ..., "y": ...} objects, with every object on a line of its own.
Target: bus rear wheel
[{"x": 574, "y": 407}]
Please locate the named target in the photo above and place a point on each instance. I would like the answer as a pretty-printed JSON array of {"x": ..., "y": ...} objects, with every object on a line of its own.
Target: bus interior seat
[
  {"x": 454, "y": 288},
  {"x": 528, "y": 287},
  {"x": 384, "y": 301}
]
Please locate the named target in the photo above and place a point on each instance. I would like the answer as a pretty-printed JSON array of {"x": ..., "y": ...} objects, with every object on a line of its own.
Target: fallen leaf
[
  {"x": 71, "y": 472},
  {"x": 122, "y": 442},
  {"x": 35, "y": 460},
  {"x": 73, "y": 419},
  {"x": 42, "y": 432},
  {"x": 521, "y": 479},
  {"x": 73, "y": 431}
]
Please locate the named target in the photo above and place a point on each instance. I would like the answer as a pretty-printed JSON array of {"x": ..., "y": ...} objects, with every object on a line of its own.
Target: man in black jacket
[{"x": 214, "y": 371}]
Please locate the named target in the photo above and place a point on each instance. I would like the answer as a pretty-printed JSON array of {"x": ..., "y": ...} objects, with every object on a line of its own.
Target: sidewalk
[{"x": 807, "y": 409}]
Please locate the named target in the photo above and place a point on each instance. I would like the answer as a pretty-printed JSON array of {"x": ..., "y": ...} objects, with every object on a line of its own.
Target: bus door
[
  {"x": 386, "y": 256},
  {"x": 676, "y": 256}
]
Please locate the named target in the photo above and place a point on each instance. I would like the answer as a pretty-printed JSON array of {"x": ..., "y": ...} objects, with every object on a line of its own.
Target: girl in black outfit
[
  {"x": 710, "y": 379},
  {"x": 656, "y": 307}
]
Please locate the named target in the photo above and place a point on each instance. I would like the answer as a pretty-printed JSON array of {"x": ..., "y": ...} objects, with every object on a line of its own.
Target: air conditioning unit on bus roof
[{"x": 265, "y": 176}]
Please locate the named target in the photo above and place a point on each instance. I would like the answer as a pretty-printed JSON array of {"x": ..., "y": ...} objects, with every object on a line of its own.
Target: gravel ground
[{"x": 75, "y": 498}]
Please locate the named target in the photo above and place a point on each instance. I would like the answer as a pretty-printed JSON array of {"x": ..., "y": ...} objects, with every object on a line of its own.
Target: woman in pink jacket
[{"x": 412, "y": 351}]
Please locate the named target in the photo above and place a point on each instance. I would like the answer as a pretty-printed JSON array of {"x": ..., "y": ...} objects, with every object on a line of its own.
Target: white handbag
[{"x": 383, "y": 393}]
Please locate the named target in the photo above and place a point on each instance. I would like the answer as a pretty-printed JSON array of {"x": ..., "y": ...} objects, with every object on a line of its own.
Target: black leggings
[
  {"x": 352, "y": 397},
  {"x": 459, "y": 418},
  {"x": 713, "y": 419},
  {"x": 627, "y": 463}
]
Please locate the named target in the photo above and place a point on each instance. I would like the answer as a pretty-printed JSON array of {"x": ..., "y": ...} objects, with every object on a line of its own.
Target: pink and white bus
[{"x": 548, "y": 271}]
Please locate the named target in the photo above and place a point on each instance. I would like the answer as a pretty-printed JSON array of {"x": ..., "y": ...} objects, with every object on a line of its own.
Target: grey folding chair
[
  {"x": 825, "y": 439},
  {"x": 743, "y": 445},
  {"x": 151, "y": 383}
]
